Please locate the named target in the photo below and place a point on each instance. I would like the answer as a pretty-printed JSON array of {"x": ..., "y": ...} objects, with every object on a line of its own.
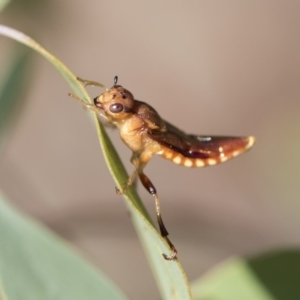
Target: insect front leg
[
  {"x": 89, "y": 106},
  {"x": 163, "y": 231},
  {"x": 91, "y": 83}
]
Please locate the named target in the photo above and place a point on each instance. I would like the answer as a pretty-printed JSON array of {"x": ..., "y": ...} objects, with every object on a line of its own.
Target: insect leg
[
  {"x": 89, "y": 106},
  {"x": 138, "y": 165},
  {"x": 163, "y": 231},
  {"x": 139, "y": 161},
  {"x": 129, "y": 182},
  {"x": 90, "y": 82}
]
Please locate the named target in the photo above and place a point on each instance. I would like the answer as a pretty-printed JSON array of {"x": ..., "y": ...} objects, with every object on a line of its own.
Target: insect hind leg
[
  {"x": 163, "y": 230},
  {"x": 139, "y": 164}
]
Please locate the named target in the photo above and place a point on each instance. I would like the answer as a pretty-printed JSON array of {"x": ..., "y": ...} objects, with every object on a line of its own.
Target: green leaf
[
  {"x": 169, "y": 275},
  {"x": 265, "y": 277},
  {"x": 3, "y": 3},
  {"x": 36, "y": 264},
  {"x": 13, "y": 92}
]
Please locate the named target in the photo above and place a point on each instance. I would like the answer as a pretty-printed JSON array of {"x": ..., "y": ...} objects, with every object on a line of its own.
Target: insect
[{"x": 146, "y": 134}]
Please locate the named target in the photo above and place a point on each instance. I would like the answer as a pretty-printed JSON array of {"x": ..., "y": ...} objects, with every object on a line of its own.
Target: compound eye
[{"x": 116, "y": 108}]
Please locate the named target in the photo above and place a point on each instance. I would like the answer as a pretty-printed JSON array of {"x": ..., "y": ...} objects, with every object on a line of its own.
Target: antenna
[{"x": 115, "y": 80}]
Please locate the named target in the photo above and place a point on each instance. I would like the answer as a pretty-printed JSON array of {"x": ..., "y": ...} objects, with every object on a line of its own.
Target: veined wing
[{"x": 199, "y": 150}]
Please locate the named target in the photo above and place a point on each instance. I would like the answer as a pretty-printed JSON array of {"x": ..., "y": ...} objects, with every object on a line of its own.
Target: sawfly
[{"x": 146, "y": 134}]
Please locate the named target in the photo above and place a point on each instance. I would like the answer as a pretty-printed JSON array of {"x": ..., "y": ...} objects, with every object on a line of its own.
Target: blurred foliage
[
  {"x": 29, "y": 7},
  {"x": 3, "y": 3},
  {"x": 36, "y": 264},
  {"x": 270, "y": 276},
  {"x": 13, "y": 90}
]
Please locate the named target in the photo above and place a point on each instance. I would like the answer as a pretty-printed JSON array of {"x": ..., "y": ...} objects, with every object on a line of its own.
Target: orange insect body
[{"x": 146, "y": 133}]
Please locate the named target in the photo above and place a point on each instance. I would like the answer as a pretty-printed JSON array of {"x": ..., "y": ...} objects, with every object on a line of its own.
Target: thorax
[{"x": 133, "y": 132}]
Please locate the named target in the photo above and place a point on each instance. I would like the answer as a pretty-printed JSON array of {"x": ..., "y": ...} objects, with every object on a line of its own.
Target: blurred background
[{"x": 209, "y": 67}]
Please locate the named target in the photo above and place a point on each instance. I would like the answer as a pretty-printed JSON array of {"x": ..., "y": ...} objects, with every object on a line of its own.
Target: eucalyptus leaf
[
  {"x": 13, "y": 91},
  {"x": 169, "y": 275},
  {"x": 3, "y": 3},
  {"x": 271, "y": 276},
  {"x": 35, "y": 264}
]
